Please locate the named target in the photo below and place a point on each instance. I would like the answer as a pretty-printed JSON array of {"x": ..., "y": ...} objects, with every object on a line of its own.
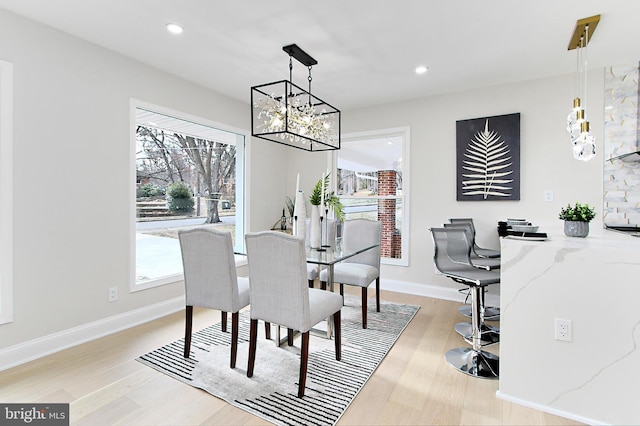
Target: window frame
[
  {"x": 6, "y": 192},
  {"x": 241, "y": 182},
  {"x": 405, "y": 134}
]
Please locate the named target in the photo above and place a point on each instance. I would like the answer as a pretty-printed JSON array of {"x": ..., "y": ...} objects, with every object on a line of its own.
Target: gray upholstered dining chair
[
  {"x": 280, "y": 294},
  {"x": 329, "y": 232},
  {"x": 210, "y": 280},
  {"x": 363, "y": 269}
]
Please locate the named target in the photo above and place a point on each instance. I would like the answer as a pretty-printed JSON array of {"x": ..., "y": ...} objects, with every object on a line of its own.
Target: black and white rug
[{"x": 272, "y": 391}]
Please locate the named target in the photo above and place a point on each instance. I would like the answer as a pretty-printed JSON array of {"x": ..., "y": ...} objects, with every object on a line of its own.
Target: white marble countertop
[
  {"x": 593, "y": 283},
  {"x": 598, "y": 237}
]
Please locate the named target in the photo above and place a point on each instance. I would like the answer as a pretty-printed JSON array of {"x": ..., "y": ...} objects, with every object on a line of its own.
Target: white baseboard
[
  {"x": 43, "y": 346},
  {"x": 435, "y": 291},
  {"x": 548, "y": 409},
  {"x": 37, "y": 348}
]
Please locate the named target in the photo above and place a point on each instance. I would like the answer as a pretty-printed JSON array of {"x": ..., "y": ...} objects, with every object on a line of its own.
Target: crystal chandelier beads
[{"x": 285, "y": 113}]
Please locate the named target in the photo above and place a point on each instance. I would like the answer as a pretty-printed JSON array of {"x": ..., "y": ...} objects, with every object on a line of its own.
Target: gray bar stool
[
  {"x": 490, "y": 334},
  {"x": 484, "y": 256},
  {"x": 482, "y": 252},
  {"x": 452, "y": 259}
]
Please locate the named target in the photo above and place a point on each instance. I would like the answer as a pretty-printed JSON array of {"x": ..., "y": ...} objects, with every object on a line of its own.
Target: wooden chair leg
[
  {"x": 304, "y": 360},
  {"x": 341, "y": 289},
  {"x": 235, "y": 319},
  {"x": 223, "y": 317},
  {"x": 337, "y": 335},
  {"x": 253, "y": 340},
  {"x": 378, "y": 294},
  {"x": 290, "y": 336},
  {"x": 267, "y": 330},
  {"x": 364, "y": 307},
  {"x": 310, "y": 283},
  {"x": 323, "y": 285},
  {"x": 187, "y": 330}
]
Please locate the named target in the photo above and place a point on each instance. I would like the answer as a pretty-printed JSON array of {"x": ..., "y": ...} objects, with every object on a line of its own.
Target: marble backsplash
[{"x": 621, "y": 180}]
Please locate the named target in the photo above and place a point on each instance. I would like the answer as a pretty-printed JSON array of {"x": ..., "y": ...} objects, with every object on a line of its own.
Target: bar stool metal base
[
  {"x": 474, "y": 363},
  {"x": 488, "y": 335},
  {"x": 491, "y": 313}
]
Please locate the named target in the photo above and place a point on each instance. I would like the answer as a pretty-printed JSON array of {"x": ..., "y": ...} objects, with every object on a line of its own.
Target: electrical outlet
[
  {"x": 563, "y": 330},
  {"x": 113, "y": 294},
  {"x": 548, "y": 195}
]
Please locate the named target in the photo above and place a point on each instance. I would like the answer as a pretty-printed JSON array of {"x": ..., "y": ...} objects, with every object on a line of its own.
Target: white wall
[
  {"x": 546, "y": 161},
  {"x": 72, "y": 179}
]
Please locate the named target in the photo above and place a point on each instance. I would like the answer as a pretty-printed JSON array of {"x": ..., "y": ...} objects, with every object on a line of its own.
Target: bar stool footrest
[
  {"x": 491, "y": 313},
  {"x": 488, "y": 335}
]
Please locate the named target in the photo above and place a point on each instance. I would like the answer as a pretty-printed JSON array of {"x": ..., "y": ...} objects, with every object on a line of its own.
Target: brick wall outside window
[{"x": 391, "y": 238}]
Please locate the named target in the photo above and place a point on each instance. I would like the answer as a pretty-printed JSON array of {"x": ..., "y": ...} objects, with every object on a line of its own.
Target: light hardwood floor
[{"x": 413, "y": 384}]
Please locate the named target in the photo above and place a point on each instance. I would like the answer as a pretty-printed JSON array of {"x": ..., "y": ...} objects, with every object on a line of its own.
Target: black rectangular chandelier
[{"x": 285, "y": 113}]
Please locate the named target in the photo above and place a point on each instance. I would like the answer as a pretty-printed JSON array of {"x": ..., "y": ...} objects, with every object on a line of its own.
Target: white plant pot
[
  {"x": 574, "y": 228},
  {"x": 315, "y": 233}
]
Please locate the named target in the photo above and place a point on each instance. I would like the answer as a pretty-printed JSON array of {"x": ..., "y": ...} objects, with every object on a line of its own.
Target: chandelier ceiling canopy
[{"x": 285, "y": 113}]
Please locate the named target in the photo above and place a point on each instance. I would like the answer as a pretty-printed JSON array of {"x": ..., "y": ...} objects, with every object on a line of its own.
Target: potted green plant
[
  {"x": 319, "y": 193},
  {"x": 576, "y": 219},
  {"x": 331, "y": 200}
]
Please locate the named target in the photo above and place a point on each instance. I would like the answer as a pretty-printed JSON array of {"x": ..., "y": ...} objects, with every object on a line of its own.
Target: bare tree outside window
[
  {"x": 208, "y": 167},
  {"x": 189, "y": 172}
]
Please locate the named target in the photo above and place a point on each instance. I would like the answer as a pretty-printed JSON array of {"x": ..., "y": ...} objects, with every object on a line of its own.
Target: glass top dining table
[{"x": 329, "y": 256}]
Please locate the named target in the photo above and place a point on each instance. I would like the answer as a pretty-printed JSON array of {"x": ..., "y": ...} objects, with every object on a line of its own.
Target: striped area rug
[{"x": 272, "y": 391}]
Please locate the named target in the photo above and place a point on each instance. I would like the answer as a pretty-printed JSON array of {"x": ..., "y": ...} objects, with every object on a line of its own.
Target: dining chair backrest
[
  {"x": 358, "y": 233},
  {"x": 209, "y": 269},
  {"x": 278, "y": 276}
]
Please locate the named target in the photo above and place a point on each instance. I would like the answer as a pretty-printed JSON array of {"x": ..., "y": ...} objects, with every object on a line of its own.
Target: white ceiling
[{"x": 366, "y": 49}]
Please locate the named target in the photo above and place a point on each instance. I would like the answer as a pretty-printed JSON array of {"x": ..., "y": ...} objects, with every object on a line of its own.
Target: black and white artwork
[{"x": 488, "y": 158}]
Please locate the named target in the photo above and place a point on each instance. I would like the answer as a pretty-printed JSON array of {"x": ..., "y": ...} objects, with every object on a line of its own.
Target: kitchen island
[{"x": 595, "y": 283}]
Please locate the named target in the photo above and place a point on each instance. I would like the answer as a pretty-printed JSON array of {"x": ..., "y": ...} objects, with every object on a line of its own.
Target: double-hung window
[
  {"x": 372, "y": 182},
  {"x": 189, "y": 172}
]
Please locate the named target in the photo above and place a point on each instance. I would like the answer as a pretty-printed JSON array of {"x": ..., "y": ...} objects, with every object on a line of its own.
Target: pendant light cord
[
  {"x": 309, "y": 78},
  {"x": 586, "y": 42}
]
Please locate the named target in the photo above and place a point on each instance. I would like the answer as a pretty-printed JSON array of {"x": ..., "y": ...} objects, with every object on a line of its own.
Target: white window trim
[
  {"x": 405, "y": 133},
  {"x": 134, "y": 104},
  {"x": 6, "y": 192}
]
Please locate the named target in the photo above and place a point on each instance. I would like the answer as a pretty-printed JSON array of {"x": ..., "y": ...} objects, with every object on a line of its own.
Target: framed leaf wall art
[{"x": 488, "y": 158}]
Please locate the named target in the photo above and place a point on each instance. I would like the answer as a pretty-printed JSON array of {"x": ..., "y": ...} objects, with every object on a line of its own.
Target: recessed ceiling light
[
  {"x": 174, "y": 28},
  {"x": 421, "y": 70}
]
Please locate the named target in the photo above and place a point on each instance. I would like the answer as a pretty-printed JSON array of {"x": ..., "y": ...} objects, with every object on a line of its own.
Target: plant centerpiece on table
[
  {"x": 331, "y": 200},
  {"x": 576, "y": 219},
  {"x": 321, "y": 200}
]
